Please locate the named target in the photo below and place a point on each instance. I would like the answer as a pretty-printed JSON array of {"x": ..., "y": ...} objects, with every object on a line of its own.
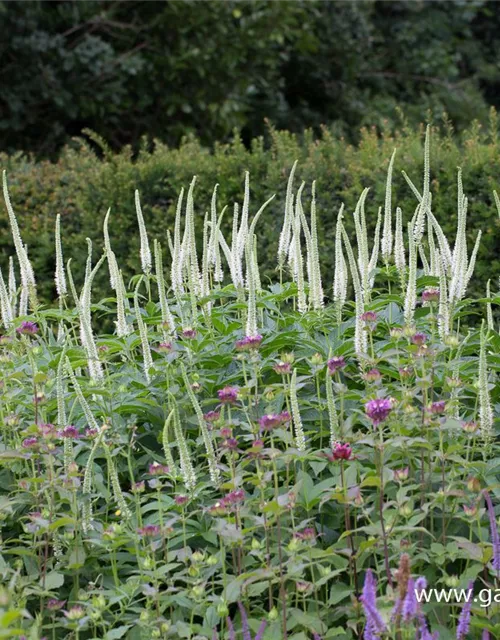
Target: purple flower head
[
  {"x": 180, "y": 500},
  {"x": 369, "y": 317},
  {"x": 230, "y": 443},
  {"x": 189, "y": 333},
  {"x": 378, "y": 410},
  {"x": 401, "y": 474},
  {"x": 464, "y": 618},
  {"x": 54, "y": 605},
  {"x": 270, "y": 421},
  {"x": 138, "y": 487},
  {"x": 149, "y": 531},
  {"x": 308, "y": 535},
  {"x": 373, "y": 375},
  {"x": 248, "y": 343},
  {"x": 165, "y": 347},
  {"x": 341, "y": 451},
  {"x": 69, "y": 432},
  {"x": 75, "y": 613},
  {"x": 335, "y": 364},
  {"x": 244, "y": 623},
  {"x": 226, "y": 432},
  {"x": 228, "y": 395},
  {"x": 27, "y": 328},
  {"x": 283, "y": 368},
  {"x": 495, "y": 538},
  {"x": 157, "y": 469},
  {"x": 211, "y": 416},
  {"x": 47, "y": 430},
  {"x": 438, "y": 407},
  {"x": 419, "y": 338},
  {"x": 430, "y": 295},
  {"x": 30, "y": 443}
]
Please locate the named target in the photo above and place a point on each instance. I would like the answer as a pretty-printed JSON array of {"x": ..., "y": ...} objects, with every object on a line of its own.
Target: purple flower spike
[
  {"x": 244, "y": 622},
  {"x": 378, "y": 410},
  {"x": 261, "y": 629},
  {"x": 495, "y": 538},
  {"x": 374, "y": 623},
  {"x": 464, "y": 619},
  {"x": 230, "y": 628},
  {"x": 410, "y": 604}
]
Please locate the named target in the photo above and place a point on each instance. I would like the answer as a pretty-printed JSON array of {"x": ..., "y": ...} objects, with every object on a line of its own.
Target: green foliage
[
  {"x": 166, "y": 69},
  {"x": 83, "y": 184}
]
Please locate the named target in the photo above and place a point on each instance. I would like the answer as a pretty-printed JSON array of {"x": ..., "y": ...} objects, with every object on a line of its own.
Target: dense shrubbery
[
  {"x": 237, "y": 459},
  {"x": 166, "y": 69},
  {"x": 82, "y": 185}
]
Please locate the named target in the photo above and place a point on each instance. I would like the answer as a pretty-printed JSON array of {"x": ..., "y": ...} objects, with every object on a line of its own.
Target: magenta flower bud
[
  {"x": 228, "y": 395},
  {"x": 419, "y": 338},
  {"x": 69, "y": 432},
  {"x": 341, "y": 451},
  {"x": 54, "y": 605},
  {"x": 138, "y": 487},
  {"x": 157, "y": 469},
  {"x": 378, "y": 410},
  {"x": 270, "y": 421},
  {"x": 165, "y": 347},
  {"x": 401, "y": 474},
  {"x": 181, "y": 500},
  {"x": 430, "y": 295},
  {"x": 226, "y": 432},
  {"x": 370, "y": 317},
  {"x": 336, "y": 364},
  {"x": 149, "y": 531},
  {"x": 283, "y": 368},
  {"x": 211, "y": 416},
  {"x": 373, "y": 375},
  {"x": 189, "y": 333},
  {"x": 30, "y": 443},
  {"x": 438, "y": 407},
  {"x": 230, "y": 443}
]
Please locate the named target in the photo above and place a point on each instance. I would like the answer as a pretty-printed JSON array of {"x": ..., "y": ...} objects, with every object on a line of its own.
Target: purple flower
[
  {"x": 369, "y": 317},
  {"x": 157, "y": 469},
  {"x": 373, "y": 375},
  {"x": 335, "y": 364},
  {"x": 75, "y": 613},
  {"x": 180, "y": 500},
  {"x": 29, "y": 443},
  {"x": 270, "y": 421},
  {"x": 189, "y": 333},
  {"x": 495, "y": 538},
  {"x": 27, "y": 328},
  {"x": 410, "y": 604},
  {"x": 464, "y": 618},
  {"x": 438, "y": 407},
  {"x": 149, "y": 531},
  {"x": 419, "y": 338},
  {"x": 69, "y": 432},
  {"x": 211, "y": 416},
  {"x": 228, "y": 395},
  {"x": 248, "y": 343},
  {"x": 138, "y": 487},
  {"x": 430, "y": 295},
  {"x": 374, "y": 622},
  {"x": 165, "y": 347},
  {"x": 283, "y": 368},
  {"x": 401, "y": 474},
  {"x": 341, "y": 451},
  {"x": 244, "y": 623},
  {"x": 378, "y": 410},
  {"x": 53, "y": 604}
]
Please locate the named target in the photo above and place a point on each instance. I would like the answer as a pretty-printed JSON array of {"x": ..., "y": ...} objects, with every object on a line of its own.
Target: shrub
[
  {"x": 82, "y": 185},
  {"x": 239, "y": 456}
]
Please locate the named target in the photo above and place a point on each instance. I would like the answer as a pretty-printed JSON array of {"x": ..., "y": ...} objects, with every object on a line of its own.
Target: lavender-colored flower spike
[
  {"x": 495, "y": 539},
  {"x": 410, "y": 604},
  {"x": 262, "y": 628},
  {"x": 485, "y": 635},
  {"x": 374, "y": 622},
  {"x": 244, "y": 622},
  {"x": 464, "y": 619},
  {"x": 230, "y": 628}
]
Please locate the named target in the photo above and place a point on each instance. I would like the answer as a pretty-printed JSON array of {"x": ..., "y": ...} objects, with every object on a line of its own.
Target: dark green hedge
[{"x": 85, "y": 181}]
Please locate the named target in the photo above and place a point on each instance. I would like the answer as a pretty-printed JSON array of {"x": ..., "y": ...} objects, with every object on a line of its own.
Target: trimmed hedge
[{"x": 87, "y": 180}]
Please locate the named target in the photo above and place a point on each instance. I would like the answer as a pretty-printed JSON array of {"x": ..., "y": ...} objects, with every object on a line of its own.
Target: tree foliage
[{"x": 165, "y": 69}]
